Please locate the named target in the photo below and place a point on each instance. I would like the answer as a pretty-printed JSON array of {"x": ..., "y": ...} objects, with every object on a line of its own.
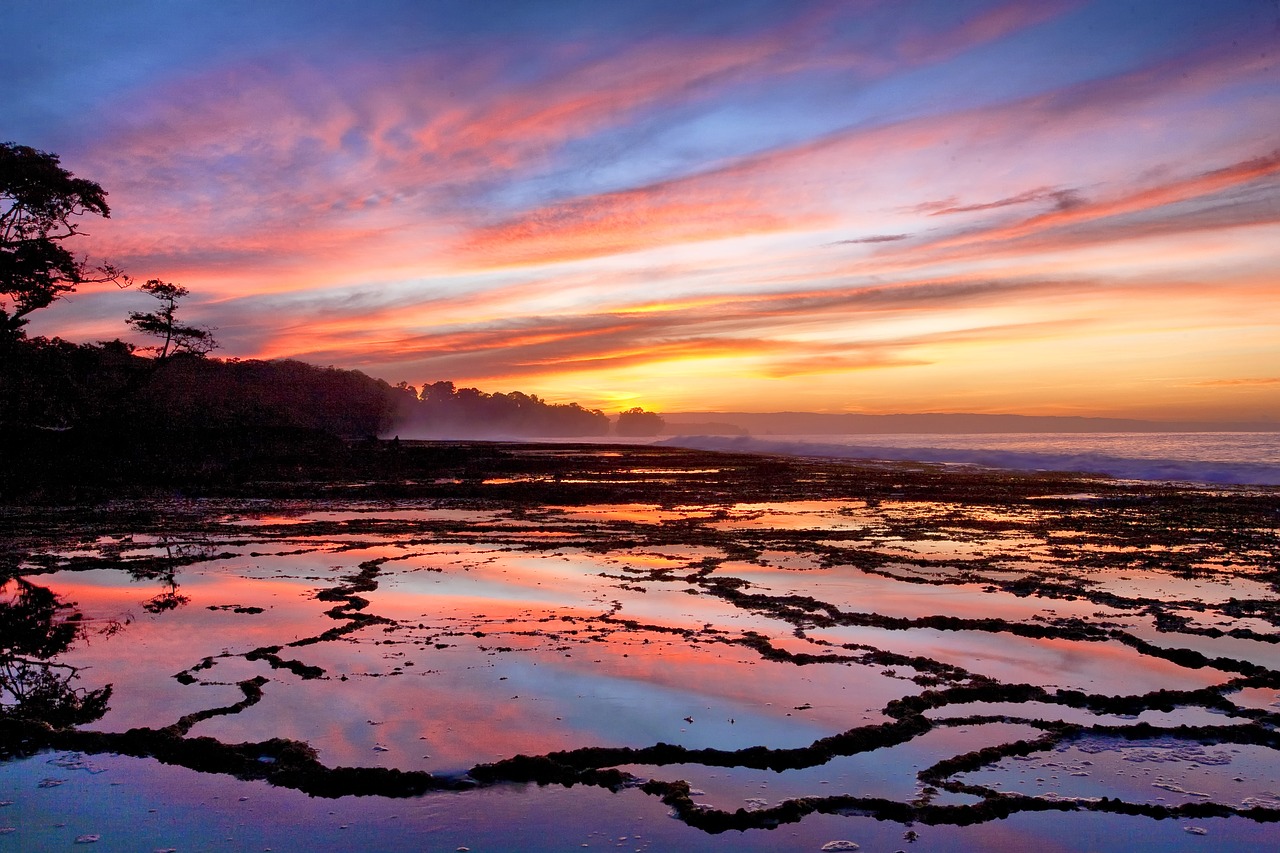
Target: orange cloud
[
  {"x": 1233, "y": 383},
  {"x": 476, "y": 216}
]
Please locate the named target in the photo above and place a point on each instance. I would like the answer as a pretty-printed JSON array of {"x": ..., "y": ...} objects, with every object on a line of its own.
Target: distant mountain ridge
[{"x": 816, "y": 423}]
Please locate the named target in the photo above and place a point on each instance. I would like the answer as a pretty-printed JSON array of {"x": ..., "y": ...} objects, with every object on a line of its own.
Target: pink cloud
[
  {"x": 1001, "y": 20},
  {"x": 280, "y": 177},
  {"x": 802, "y": 187},
  {"x": 1134, "y": 201},
  {"x": 283, "y": 165}
]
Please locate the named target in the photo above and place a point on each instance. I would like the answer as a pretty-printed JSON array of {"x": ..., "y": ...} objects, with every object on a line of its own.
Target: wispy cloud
[
  {"x": 1062, "y": 200},
  {"x": 987, "y": 25},
  {"x": 1231, "y": 383},
  {"x": 606, "y": 200},
  {"x": 874, "y": 238},
  {"x": 1140, "y": 200}
]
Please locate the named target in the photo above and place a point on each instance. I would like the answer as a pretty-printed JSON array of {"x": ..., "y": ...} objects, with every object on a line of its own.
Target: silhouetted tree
[
  {"x": 446, "y": 411},
  {"x": 637, "y": 422},
  {"x": 39, "y": 204},
  {"x": 175, "y": 337},
  {"x": 52, "y": 383},
  {"x": 438, "y": 392},
  {"x": 200, "y": 393}
]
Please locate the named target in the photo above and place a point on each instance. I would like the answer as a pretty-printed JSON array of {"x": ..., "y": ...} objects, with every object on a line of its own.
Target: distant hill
[{"x": 814, "y": 423}]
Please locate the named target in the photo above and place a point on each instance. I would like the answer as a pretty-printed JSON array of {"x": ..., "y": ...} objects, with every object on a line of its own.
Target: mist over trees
[
  {"x": 636, "y": 422},
  {"x": 167, "y": 406},
  {"x": 111, "y": 393},
  {"x": 113, "y": 387},
  {"x": 442, "y": 410}
]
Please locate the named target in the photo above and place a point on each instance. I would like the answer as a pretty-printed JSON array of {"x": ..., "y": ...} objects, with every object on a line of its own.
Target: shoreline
[{"x": 286, "y": 464}]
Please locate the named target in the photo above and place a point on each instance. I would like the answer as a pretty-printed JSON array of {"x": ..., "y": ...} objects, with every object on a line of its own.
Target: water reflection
[
  {"x": 911, "y": 651},
  {"x": 36, "y": 626}
]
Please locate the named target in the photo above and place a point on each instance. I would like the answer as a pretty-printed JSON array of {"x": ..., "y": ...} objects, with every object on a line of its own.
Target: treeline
[
  {"x": 80, "y": 422},
  {"x": 88, "y": 420},
  {"x": 51, "y": 384},
  {"x": 111, "y": 389},
  {"x": 444, "y": 411}
]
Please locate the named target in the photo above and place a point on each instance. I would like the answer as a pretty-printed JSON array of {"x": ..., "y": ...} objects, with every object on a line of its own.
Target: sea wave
[{"x": 1175, "y": 470}]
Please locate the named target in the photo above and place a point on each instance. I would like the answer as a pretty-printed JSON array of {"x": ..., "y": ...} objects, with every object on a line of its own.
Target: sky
[{"x": 1056, "y": 207}]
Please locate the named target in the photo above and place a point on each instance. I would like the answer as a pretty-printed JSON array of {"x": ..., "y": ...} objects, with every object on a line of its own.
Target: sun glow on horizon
[{"x": 795, "y": 207}]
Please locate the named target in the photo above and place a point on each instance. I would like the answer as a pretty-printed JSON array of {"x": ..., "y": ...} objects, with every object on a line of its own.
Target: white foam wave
[{"x": 1177, "y": 470}]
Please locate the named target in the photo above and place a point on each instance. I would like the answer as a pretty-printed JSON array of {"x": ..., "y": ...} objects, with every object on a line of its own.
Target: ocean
[{"x": 1220, "y": 458}]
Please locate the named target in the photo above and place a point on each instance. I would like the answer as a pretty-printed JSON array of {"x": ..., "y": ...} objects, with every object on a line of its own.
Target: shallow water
[
  {"x": 756, "y": 649},
  {"x": 1194, "y": 457}
]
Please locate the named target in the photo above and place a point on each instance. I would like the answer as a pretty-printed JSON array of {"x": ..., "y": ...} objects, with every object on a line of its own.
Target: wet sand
[{"x": 644, "y": 648}]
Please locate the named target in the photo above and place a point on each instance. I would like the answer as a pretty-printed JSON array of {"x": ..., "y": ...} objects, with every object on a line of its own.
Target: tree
[
  {"x": 638, "y": 422},
  {"x": 39, "y": 204},
  {"x": 163, "y": 323}
]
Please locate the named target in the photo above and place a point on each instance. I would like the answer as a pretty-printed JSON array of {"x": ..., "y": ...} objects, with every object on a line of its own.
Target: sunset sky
[{"x": 1043, "y": 207}]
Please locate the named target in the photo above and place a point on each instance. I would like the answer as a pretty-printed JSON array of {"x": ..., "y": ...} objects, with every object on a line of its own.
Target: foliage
[
  {"x": 252, "y": 394},
  {"x": 107, "y": 387},
  {"x": 39, "y": 204},
  {"x": 175, "y": 337},
  {"x": 55, "y": 384},
  {"x": 637, "y": 422},
  {"x": 445, "y": 411}
]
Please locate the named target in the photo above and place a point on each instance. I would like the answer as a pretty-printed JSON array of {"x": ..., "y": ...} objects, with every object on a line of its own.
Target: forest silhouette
[{"x": 114, "y": 412}]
